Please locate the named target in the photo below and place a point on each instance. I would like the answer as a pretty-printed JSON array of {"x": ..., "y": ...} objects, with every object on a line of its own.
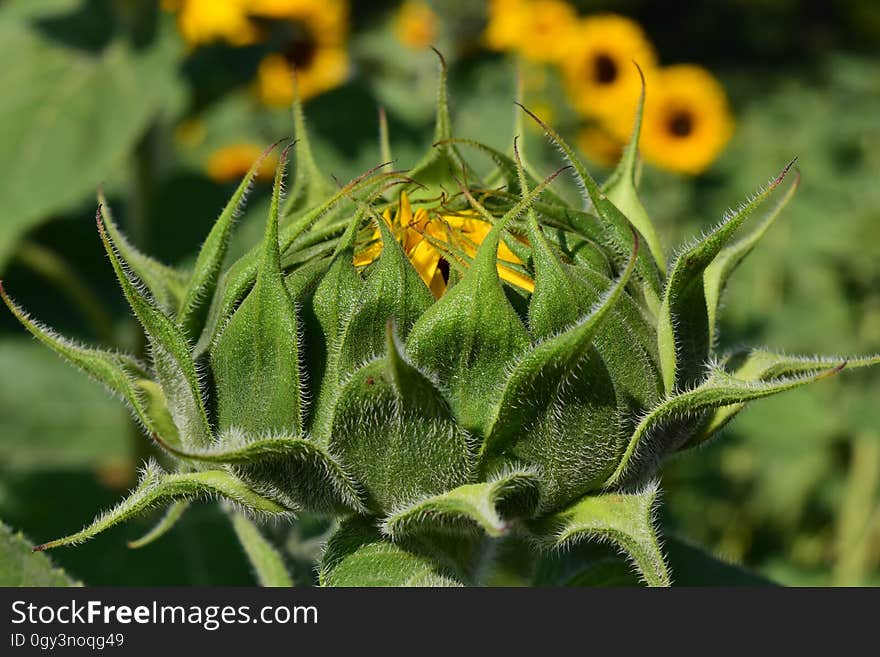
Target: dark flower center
[
  {"x": 443, "y": 266},
  {"x": 604, "y": 69},
  {"x": 300, "y": 52},
  {"x": 681, "y": 124}
]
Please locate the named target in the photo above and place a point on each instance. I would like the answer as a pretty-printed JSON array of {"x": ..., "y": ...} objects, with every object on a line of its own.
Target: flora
[{"x": 440, "y": 363}]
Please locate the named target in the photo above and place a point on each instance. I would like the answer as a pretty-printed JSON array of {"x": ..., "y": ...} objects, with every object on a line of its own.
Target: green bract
[{"x": 294, "y": 381}]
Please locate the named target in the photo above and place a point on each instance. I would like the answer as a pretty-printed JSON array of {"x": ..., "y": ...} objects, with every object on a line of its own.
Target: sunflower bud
[{"x": 436, "y": 362}]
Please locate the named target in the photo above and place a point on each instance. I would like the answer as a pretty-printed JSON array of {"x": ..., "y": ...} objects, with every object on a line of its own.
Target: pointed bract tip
[
  {"x": 440, "y": 57},
  {"x": 39, "y": 548},
  {"x": 784, "y": 172}
]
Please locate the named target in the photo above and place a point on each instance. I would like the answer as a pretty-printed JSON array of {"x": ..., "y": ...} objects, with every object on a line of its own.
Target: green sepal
[
  {"x": 729, "y": 258},
  {"x": 166, "y": 523},
  {"x": 395, "y": 430},
  {"x": 624, "y": 519},
  {"x": 393, "y": 291},
  {"x": 617, "y": 230},
  {"x": 170, "y": 354},
  {"x": 621, "y": 188},
  {"x": 296, "y": 471},
  {"x": 265, "y": 559},
  {"x": 488, "y": 507},
  {"x": 256, "y": 358},
  {"x": 156, "y": 487},
  {"x": 683, "y": 323},
  {"x": 652, "y": 440},
  {"x": 166, "y": 284},
  {"x": 764, "y": 366},
  {"x": 472, "y": 333},
  {"x": 358, "y": 555},
  {"x": 203, "y": 280},
  {"x": 309, "y": 187},
  {"x": 558, "y": 409},
  {"x": 121, "y": 374}
]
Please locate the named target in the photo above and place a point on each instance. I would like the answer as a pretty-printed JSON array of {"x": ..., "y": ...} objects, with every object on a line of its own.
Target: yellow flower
[
  {"x": 315, "y": 51},
  {"x": 206, "y": 21},
  {"x": 322, "y": 70},
  {"x": 326, "y": 21},
  {"x": 539, "y": 30},
  {"x": 427, "y": 236},
  {"x": 416, "y": 25},
  {"x": 600, "y": 76},
  {"x": 687, "y": 121},
  {"x": 232, "y": 162},
  {"x": 599, "y": 145}
]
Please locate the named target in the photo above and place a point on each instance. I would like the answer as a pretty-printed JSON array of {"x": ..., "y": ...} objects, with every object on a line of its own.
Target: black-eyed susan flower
[
  {"x": 313, "y": 48},
  {"x": 232, "y": 162},
  {"x": 431, "y": 237},
  {"x": 539, "y": 30},
  {"x": 687, "y": 120},
  {"x": 599, "y": 73},
  {"x": 416, "y": 25}
]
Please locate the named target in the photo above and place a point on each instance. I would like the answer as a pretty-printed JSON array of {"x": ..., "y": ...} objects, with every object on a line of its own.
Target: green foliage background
[{"x": 97, "y": 89}]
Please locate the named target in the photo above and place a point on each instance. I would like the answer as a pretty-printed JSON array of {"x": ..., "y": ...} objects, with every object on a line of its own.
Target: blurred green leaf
[
  {"x": 19, "y": 566},
  {"x": 52, "y": 418},
  {"x": 74, "y": 115}
]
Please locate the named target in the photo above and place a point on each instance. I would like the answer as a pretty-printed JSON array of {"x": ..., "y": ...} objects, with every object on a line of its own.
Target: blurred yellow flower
[
  {"x": 233, "y": 162},
  {"x": 205, "y": 21},
  {"x": 539, "y": 30},
  {"x": 600, "y": 76},
  {"x": 599, "y": 145},
  {"x": 416, "y": 25},
  {"x": 422, "y": 235},
  {"x": 315, "y": 51},
  {"x": 321, "y": 70},
  {"x": 687, "y": 120}
]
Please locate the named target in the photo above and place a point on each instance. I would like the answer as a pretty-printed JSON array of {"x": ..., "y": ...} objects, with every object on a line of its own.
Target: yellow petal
[
  {"x": 438, "y": 284},
  {"x": 425, "y": 259}
]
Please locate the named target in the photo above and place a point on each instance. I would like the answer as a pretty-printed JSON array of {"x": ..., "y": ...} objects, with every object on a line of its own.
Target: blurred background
[{"x": 166, "y": 104}]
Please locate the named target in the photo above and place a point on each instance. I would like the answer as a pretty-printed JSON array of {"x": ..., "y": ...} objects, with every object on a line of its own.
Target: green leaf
[
  {"x": 652, "y": 439},
  {"x": 395, "y": 431},
  {"x": 203, "y": 281},
  {"x": 266, "y": 561},
  {"x": 357, "y": 555},
  {"x": 19, "y": 566},
  {"x": 621, "y": 188},
  {"x": 172, "y": 360},
  {"x": 683, "y": 324},
  {"x": 764, "y": 366},
  {"x": 121, "y": 374},
  {"x": 487, "y": 507},
  {"x": 299, "y": 472},
  {"x": 156, "y": 487},
  {"x": 172, "y": 514},
  {"x": 256, "y": 359},
  {"x": 74, "y": 117},
  {"x": 624, "y": 519},
  {"x": 728, "y": 259},
  {"x": 546, "y": 417}
]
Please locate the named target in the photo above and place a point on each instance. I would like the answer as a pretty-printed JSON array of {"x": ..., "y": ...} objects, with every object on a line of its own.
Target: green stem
[
  {"x": 58, "y": 271},
  {"x": 854, "y": 556}
]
